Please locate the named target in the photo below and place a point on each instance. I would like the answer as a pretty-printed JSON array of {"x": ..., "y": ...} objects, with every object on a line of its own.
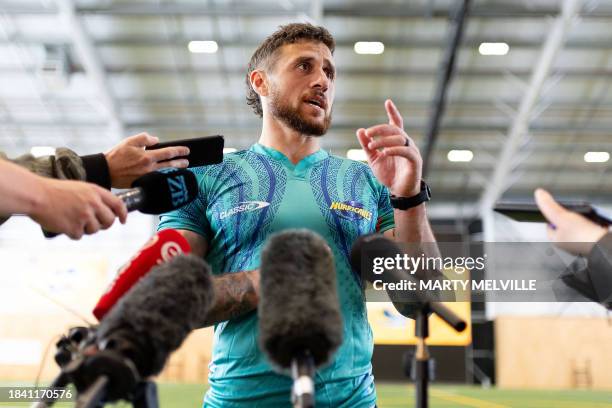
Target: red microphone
[{"x": 159, "y": 249}]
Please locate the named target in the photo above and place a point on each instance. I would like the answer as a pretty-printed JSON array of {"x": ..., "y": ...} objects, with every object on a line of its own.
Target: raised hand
[{"x": 392, "y": 155}]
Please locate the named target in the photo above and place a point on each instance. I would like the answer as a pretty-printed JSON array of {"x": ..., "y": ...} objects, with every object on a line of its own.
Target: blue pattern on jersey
[
  {"x": 324, "y": 189},
  {"x": 355, "y": 181},
  {"x": 227, "y": 176},
  {"x": 269, "y": 180}
]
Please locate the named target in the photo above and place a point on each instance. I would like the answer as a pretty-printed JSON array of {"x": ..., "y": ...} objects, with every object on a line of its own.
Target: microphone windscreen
[
  {"x": 365, "y": 248},
  {"x": 299, "y": 308},
  {"x": 160, "y": 248},
  {"x": 156, "y": 315},
  {"x": 166, "y": 190}
]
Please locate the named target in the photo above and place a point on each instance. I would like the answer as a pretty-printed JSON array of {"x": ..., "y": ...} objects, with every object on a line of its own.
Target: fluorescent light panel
[
  {"x": 460, "y": 156},
  {"x": 369, "y": 47},
  {"x": 229, "y": 150},
  {"x": 493, "y": 48},
  {"x": 203, "y": 47},
  {"x": 596, "y": 157}
]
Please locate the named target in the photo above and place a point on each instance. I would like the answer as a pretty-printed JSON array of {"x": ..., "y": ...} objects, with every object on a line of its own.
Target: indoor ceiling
[{"x": 84, "y": 74}]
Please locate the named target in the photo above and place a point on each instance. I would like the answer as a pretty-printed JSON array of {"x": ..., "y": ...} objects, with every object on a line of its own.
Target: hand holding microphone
[
  {"x": 71, "y": 207},
  {"x": 156, "y": 193},
  {"x": 75, "y": 207}
]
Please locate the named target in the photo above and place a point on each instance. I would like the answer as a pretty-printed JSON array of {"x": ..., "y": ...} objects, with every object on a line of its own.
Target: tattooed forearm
[{"x": 235, "y": 294}]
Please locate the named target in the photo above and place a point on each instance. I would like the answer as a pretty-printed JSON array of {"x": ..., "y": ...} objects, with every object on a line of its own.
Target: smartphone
[
  {"x": 529, "y": 212},
  {"x": 202, "y": 150}
]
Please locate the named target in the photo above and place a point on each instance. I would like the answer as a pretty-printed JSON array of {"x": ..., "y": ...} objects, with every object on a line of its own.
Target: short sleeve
[
  {"x": 385, "y": 221},
  {"x": 191, "y": 217}
]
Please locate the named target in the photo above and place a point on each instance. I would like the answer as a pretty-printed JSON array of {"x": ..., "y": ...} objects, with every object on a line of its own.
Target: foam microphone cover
[
  {"x": 166, "y": 190},
  {"x": 365, "y": 248},
  {"x": 157, "y": 314},
  {"x": 299, "y": 308}
]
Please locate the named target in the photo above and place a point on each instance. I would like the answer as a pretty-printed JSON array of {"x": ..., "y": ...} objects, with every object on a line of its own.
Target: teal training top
[{"x": 243, "y": 200}]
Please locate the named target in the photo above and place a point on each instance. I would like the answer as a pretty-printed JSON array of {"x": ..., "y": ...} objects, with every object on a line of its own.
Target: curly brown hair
[{"x": 287, "y": 34}]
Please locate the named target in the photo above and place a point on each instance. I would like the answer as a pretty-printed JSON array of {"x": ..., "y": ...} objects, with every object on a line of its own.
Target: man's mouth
[{"x": 318, "y": 102}]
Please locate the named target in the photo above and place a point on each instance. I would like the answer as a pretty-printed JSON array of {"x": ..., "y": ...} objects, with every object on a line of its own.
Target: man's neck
[{"x": 294, "y": 145}]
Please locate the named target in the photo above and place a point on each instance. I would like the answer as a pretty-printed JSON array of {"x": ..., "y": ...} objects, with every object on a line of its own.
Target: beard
[{"x": 291, "y": 117}]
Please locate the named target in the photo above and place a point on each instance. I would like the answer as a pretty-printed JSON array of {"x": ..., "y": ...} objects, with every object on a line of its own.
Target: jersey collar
[{"x": 298, "y": 169}]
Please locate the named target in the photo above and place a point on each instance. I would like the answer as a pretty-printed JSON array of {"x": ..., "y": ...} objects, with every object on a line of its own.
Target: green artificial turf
[{"x": 402, "y": 395}]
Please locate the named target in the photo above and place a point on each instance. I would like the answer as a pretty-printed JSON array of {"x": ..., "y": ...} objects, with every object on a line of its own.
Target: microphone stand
[
  {"x": 101, "y": 377},
  {"x": 302, "y": 371},
  {"x": 422, "y": 367}
]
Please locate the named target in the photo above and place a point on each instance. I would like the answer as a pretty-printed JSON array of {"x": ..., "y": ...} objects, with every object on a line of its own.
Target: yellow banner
[{"x": 391, "y": 328}]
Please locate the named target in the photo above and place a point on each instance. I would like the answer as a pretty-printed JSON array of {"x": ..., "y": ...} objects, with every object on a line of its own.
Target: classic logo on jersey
[
  {"x": 351, "y": 210},
  {"x": 244, "y": 207}
]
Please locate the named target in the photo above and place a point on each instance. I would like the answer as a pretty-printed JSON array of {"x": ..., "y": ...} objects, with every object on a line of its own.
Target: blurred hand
[
  {"x": 568, "y": 230},
  {"x": 75, "y": 207},
  {"x": 398, "y": 165},
  {"x": 129, "y": 160}
]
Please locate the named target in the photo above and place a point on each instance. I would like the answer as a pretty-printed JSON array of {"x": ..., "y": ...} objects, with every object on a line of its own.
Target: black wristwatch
[{"x": 404, "y": 203}]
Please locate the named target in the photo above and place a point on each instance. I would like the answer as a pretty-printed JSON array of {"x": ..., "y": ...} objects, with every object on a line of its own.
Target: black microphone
[
  {"x": 363, "y": 251},
  {"x": 157, "y": 192},
  {"x": 157, "y": 313},
  {"x": 161, "y": 191},
  {"x": 300, "y": 325}
]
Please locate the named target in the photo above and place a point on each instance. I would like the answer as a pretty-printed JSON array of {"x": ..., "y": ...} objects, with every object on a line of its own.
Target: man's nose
[{"x": 321, "y": 80}]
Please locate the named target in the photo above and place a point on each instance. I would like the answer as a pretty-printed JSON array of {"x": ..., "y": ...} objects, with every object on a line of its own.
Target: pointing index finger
[{"x": 395, "y": 117}]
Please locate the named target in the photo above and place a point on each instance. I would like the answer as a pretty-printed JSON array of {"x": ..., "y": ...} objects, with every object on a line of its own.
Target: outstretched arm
[{"x": 71, "y": 207}]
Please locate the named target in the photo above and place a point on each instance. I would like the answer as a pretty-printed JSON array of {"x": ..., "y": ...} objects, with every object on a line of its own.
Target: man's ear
[{"x": 259, "y": 82}]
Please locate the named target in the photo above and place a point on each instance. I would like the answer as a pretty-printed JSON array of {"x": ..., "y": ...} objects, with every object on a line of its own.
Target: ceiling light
[
  {"x": 357, "y": 154},
  {"x": 596, "y": 157},
  {"x": 229, "y": 150},
  {"x": 460, "y": 156},
  {"x": 369, "y": 47},
  {"x": 42, "y": 151},
  {"x": 493, "y": 48},
  {"x": 205, "y": 47}
]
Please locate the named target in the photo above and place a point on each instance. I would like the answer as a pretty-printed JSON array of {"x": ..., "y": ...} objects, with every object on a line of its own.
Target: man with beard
[{"x": 287, "y": 181}]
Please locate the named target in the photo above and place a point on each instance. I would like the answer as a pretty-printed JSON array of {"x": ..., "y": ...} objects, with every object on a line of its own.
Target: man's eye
[{"x": 303, "y": 66}]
